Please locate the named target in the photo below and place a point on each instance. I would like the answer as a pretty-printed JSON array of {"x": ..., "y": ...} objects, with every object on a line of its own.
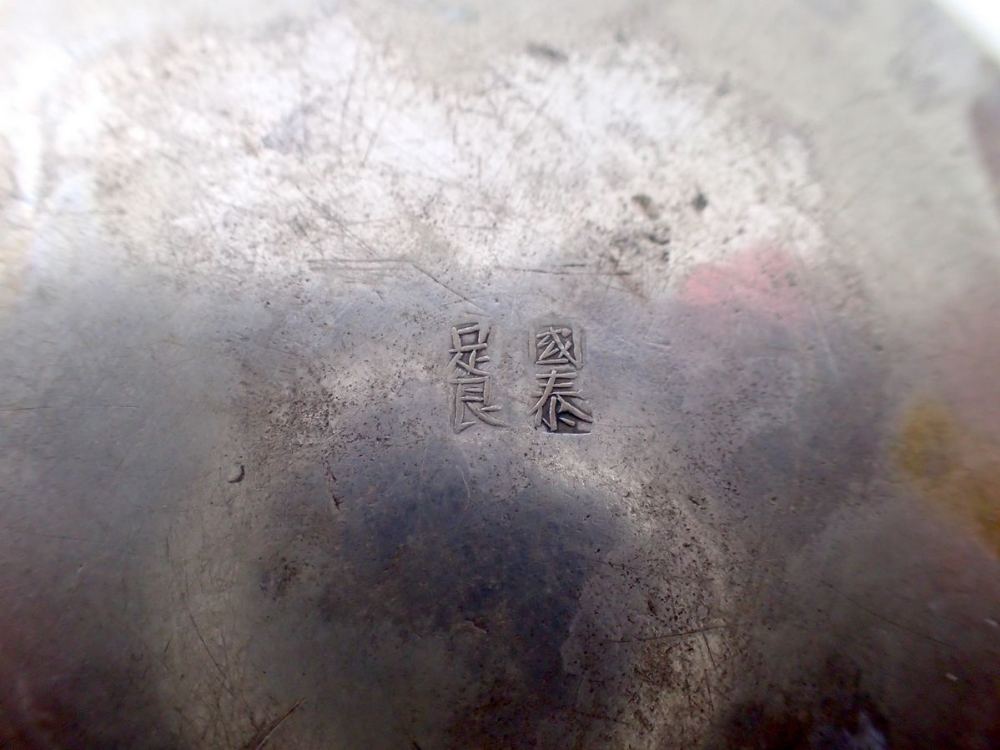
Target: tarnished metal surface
[{"x": 723, "y": 473}]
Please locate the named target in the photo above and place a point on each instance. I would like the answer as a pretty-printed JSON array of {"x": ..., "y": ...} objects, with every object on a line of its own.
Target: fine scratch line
[
  {"x": 271, "y": 728},
  {"x": 885, "y": 619},
  {"x": 668, "y": 636},
  {"x": 381, "y": 122},
  {"x": 438, "y": 281}
]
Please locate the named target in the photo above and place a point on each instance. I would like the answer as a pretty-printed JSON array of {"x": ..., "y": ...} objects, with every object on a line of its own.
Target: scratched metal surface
[{"x": 239, "y": 507}]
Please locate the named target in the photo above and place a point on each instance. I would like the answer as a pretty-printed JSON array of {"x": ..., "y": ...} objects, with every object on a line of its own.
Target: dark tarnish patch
[
  {"x": 425, "y": 557},
  {"x": 985, "y": 117},
  {"x": 546, "y": 52},
  {"x": 828, "y": 712},
  {"x": 647, "y": 205},
  {"x": 58, "y": 693},
  {"x": 781, "y": 396},
  {"x": 782, "y": 406},
  {"x": 78, "y": 668}
]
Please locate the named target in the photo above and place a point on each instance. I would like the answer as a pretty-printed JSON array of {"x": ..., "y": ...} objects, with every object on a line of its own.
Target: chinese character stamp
[
  {"x": 473, "y": 387},
  {"x": 559, "y": 406}
]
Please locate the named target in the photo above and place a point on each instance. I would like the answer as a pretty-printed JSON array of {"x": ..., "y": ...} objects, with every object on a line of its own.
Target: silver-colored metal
[{"x": 287, "y": 288}]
